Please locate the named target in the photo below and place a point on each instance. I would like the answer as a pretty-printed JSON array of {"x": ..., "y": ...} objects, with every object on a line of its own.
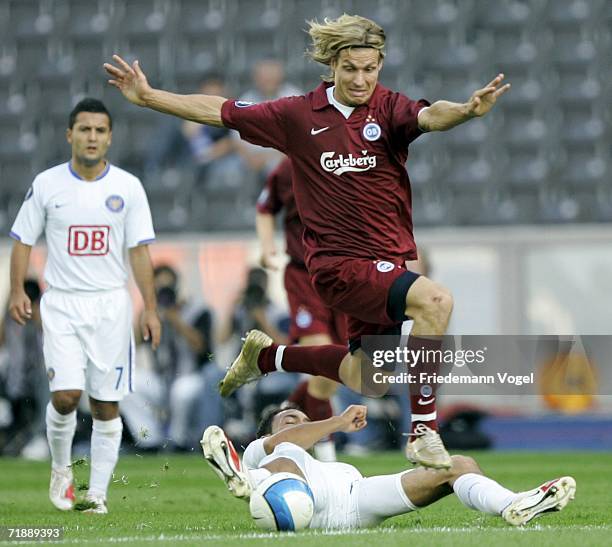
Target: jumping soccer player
[
  {"x": 90, "y": 212},
  {"x": 348, "y": 144},
  {"x": 343, "y": 498},
  {"x": 312, "y": 322}
]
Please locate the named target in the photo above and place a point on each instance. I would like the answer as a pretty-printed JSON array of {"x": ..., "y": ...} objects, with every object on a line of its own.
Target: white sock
[
  {"x": 482, "y": 493},
  {"x": 60, "y": 432},
  {"x": 105, "y": 442},
  {"x": 257, "y": 476}
]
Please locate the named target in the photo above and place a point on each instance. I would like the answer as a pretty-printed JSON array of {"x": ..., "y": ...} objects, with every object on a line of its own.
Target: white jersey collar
[
  {"x": 100, "y": 176},
  {"x": 346, "y": 111}
]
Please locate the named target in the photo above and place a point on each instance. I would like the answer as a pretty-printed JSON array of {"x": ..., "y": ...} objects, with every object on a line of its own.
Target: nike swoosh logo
[
  {"x": 428, "y": 402},
  {"x": 58, "y": 205},
  {"x": 314, "y": 131}
]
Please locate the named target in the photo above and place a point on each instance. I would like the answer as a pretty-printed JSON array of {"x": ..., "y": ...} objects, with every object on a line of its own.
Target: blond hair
[{"x": 334, "y": 35}]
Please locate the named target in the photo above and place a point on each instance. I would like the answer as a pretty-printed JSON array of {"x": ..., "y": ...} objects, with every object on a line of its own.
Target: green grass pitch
[{"x": 177, "y": 500}]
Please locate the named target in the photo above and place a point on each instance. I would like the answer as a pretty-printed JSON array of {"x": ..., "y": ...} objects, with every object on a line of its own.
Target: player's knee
[
  {"x": 66, "y": 401},
  {"x": 440, "y": 302},
  {"x": 103, "y": 410},
  {"x": 436, "y": 307},
  {"x": 462, "y": 465}
]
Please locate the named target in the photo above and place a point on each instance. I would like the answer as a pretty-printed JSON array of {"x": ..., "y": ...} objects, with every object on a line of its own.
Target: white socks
[
  {"x": 105, "y": 442},
  {"x": 60, "y": 432},
  {"x": 482, "y": 493}
]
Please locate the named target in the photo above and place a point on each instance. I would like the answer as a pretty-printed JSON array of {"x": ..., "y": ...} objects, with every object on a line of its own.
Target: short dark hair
[
  {"x": 89, "y": 104},
  {"x": 267, "y": 417}
]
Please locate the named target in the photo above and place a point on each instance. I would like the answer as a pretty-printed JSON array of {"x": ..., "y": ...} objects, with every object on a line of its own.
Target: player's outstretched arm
[
  {"x": 20, "y": 306},
  {"x": 264, "y": 224},
  {"x": 443, "y": 115},
  {"x": 132, "y": 82},
  {"x": 308, "y": 434},
  {"x": 140, "y": 260}
]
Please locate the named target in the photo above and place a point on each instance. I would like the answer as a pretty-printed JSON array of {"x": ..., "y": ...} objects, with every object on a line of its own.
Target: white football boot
[
  {"x": 244, "y": 369},
  {"x": 551, "y": 496},
  {"x": 427, "y": 449},
  {"x": 225, "y": 462},
  {"x": 99, "y": 508},
  {"x": 61, "y": 489}
]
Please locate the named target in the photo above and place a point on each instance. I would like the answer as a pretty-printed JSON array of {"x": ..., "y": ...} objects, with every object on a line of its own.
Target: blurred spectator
[
  {"x": 25, "y": 384},
  {"x": 208, "y": 150},
  {"x": 253, "y": 309},
  {"x": 269, "y": 82},
  {"x": 169, "y": 399},
  {"x": 268, "y": 78}
]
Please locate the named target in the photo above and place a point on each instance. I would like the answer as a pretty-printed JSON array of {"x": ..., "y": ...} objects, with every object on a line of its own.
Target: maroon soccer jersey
[
  {"x": 277, "y": 195},
  {"x": 351, "y": 187}
]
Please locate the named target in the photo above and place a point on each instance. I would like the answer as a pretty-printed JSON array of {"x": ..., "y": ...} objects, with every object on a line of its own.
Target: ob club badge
[
  {"x": 371, "y": 131},
  {"x": 383, "y": 266}
]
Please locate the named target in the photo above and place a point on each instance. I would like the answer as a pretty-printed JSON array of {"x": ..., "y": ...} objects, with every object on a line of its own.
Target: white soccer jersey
[
  {"x": 87, "y": 224},
  {"x": 331, "y": 483}
]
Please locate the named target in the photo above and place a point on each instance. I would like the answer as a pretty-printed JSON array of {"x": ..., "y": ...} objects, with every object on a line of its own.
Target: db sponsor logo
[
  {"x": 372, "y": 131},
  {"x": 343, "y": 164},
  {"x": 88, "y": 240},
  {"x": 384, "y": 266}
]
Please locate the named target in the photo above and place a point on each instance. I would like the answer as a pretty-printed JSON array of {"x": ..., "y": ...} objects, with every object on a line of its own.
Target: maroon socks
[
  {"x": 422, "y": 392},
  {"x": 314, "y": 360}
]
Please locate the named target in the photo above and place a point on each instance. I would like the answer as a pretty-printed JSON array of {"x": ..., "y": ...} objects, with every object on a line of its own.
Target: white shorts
[{"x": 88, "y": 342}]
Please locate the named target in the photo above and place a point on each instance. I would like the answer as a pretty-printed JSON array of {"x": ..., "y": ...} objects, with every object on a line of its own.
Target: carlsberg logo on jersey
[{"x": 343, "y": 163}]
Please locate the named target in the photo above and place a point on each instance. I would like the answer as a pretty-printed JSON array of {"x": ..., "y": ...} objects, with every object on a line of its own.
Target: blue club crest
[{"x": 115, "y": 203}]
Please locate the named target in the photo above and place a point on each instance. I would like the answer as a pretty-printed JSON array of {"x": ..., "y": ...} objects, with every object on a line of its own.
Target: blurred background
[{"x": 514, "y": 210}]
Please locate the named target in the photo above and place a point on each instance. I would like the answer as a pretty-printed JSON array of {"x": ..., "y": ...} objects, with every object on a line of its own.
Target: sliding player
[{"x": 343, "y": 498}]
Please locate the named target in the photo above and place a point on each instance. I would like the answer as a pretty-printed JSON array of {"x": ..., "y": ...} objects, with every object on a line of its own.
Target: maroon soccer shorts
[
  {"x": 372, "y": 293},
  {"x": 309, "y": 315}
]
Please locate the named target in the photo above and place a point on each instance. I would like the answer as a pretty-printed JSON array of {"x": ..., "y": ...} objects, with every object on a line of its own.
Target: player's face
[
  {"x": 90, "y": 137},
  {"x": 288, "y": 418},
  {"x": 355, "y": 74}
]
